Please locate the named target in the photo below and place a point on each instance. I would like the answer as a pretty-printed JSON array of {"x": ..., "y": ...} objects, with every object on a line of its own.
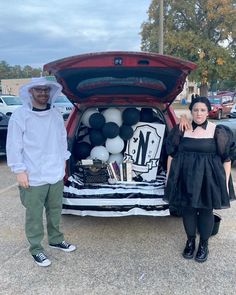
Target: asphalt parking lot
[{"x": 128, "y": 255}]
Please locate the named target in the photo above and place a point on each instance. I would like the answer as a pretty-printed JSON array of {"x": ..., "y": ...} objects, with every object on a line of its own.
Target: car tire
[{"x": 219, "y": 115}]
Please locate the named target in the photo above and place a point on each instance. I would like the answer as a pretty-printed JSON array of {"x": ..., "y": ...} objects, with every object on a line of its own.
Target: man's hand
[
  {"x": 22, "y": 179},
  {"x": 184, "y": 123}
]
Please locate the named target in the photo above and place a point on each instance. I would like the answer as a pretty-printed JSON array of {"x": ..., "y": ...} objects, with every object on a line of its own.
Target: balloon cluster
[{"x": 108, "y": 132}]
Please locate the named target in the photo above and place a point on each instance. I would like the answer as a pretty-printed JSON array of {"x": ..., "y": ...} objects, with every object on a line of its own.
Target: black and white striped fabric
[{"x": 117, "y": 199}]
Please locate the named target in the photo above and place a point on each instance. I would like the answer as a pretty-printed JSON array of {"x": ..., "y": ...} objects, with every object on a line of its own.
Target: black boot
[
  {"x": 202, "y": 251},
  {"x": 189, "y": 248}
]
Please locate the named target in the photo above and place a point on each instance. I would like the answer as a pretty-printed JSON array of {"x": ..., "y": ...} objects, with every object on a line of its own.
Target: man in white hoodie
[{"x": 36, "y": 153}]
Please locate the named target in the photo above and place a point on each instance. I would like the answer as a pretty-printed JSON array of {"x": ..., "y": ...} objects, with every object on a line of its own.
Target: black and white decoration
[
  {"x": 144, "y": 148},
  {"x": 119, "y": 135}
]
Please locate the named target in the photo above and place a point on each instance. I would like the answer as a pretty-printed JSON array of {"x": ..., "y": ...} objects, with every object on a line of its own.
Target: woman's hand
[
  {"x": 22, "y": 179},
  {"x": 184, "y": 123},
  {"x": 169, "y": 160},
  {"x": 227, "y": 187}
]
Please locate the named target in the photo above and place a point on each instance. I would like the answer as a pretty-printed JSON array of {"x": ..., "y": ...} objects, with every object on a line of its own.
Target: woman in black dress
[{"x": 198, "y": 175}]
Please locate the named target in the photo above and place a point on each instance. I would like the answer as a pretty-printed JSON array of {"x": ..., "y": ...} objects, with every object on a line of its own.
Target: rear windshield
[
  {"x": 222, "y": 99},
  {"x": 214, "y": 100},
  {"x": 12, "y": 100},
  {"x": 61, "y": 99}
]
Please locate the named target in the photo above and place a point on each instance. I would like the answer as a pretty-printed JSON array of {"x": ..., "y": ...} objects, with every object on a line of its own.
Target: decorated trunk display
[{"x": 117, "y": 169}]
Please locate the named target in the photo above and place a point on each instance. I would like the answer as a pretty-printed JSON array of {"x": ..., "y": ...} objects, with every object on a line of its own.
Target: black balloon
[
  {"x": 96, "y": 120},
  {"x": 110, "y": 130},
  {"x": 126, "y": 132},
  {"x": 146, "y": 115},
  {"x": 82, "y": 150},
  {"x": 130, "y": 116},
  {"x": 96, "y": 137}
]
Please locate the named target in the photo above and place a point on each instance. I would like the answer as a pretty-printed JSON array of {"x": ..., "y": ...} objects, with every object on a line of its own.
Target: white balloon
[
  {"x": 114, "y": 145},
  {"x": 86, "y": 116},
  {"x": 99, "y": 153},
  {"x": 113, "y": 115},
  {"x": 116, "y": 157}
]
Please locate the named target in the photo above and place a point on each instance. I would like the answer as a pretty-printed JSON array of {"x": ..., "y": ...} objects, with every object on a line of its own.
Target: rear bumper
[
  {"x": 115, "y": 212},
  {"x": 115, "y": 200}
]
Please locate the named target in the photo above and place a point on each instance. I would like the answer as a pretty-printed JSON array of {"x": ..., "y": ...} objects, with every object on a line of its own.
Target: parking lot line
[{"x": 8, "y": 188}]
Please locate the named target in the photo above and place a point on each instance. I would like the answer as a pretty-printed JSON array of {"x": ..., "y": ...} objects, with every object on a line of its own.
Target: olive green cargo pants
[{"x": 34, "y": 199}]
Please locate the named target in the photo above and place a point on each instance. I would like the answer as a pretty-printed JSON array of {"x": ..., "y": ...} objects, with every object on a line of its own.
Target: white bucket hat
[{"x": 55, "y": 87}]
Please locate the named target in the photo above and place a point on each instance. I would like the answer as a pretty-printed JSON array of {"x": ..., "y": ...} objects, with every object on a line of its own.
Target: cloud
[{"x": 35, "y": 32}]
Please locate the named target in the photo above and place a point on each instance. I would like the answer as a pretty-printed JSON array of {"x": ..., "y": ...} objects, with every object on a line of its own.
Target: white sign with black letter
[{"x": 144, "y": 149}]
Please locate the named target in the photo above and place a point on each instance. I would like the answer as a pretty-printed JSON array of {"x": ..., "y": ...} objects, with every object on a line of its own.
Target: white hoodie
[{"x": 37, "y": 144}]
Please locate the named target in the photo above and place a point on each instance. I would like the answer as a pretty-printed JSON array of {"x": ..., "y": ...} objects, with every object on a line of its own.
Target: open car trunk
[
  {"x": 122, "y": 116},
  {"x": 96, "y": 193}
]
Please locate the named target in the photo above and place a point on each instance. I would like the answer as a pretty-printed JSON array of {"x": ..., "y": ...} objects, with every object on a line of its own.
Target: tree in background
[
  {"x": 202, "y": 31},
  {"x": 16, "y": 72}
]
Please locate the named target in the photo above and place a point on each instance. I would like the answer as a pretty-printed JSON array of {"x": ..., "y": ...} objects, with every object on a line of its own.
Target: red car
[
  {"x": 221, "y": 105},
  {"x": 122, "y": 114}
]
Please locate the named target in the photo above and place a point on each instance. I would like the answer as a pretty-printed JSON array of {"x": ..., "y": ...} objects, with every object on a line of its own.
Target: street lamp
[{"x": 161, "y": 27}]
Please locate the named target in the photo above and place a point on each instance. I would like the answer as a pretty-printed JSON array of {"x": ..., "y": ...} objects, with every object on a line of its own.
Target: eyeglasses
[{"x": 42, "y": 89}]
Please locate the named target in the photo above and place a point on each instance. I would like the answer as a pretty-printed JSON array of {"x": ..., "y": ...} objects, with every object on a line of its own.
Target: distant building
[
  {"x": 189, "y": 89},
  {"x": 11, "y": 86}
]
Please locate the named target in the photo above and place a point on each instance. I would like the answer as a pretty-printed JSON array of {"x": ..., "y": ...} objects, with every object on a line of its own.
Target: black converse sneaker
[
  {"x": 64, "y": 246},
  {"x": 41, "y": 259}
]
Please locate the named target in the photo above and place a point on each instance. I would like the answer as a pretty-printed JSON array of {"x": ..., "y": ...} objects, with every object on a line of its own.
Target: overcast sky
[{"x": 35, "y": 32}]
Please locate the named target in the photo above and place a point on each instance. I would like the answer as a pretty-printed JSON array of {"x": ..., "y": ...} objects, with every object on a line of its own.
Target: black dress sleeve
[
  {"x": 226, "y": 145},
  {"x": 173, "y": 140}
]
